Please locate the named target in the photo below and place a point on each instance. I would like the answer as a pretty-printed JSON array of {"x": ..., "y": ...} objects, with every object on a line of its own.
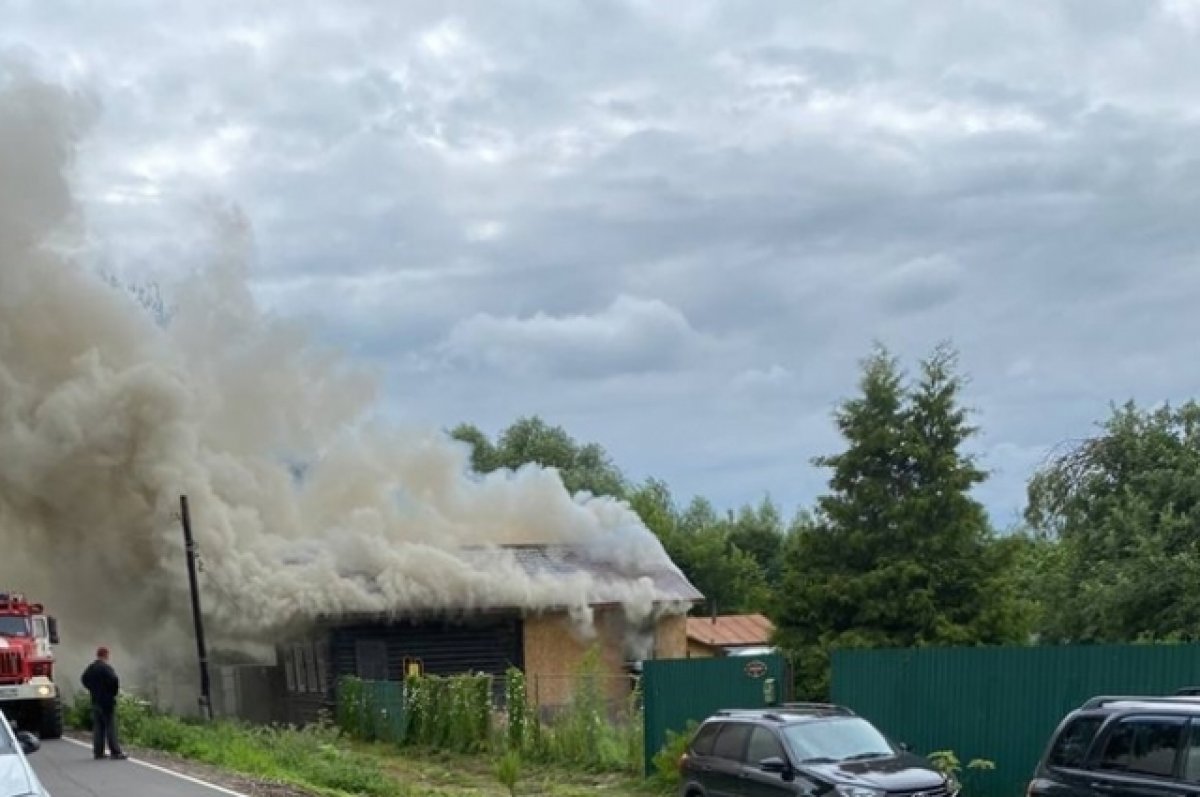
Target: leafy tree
[
  {"x": 758, "y": 531},
  {"x": 699, "y": 541},
  {"x": 1119, "y": 519},
  {"x": 899, "y": 553},
  {"x": 655, "y": 505},
  {"x": 483, "y": 453},
  {"x": 582, "y": 467}
]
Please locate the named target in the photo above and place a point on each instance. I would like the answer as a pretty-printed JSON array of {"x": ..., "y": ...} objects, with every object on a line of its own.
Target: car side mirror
[
  {"x": 52, "y": 627},
  {"x": 778, "y": 766},
  {"x": 30, "y": 744}
]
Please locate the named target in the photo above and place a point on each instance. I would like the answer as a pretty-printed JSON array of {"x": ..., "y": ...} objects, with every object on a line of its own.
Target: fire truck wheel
[{"x": 51, "y": 719}]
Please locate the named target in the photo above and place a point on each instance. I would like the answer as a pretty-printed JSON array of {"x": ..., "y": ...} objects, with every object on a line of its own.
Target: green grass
[
  {"x": 316, "y": 758},
  {"x": 327, "y": 762}
]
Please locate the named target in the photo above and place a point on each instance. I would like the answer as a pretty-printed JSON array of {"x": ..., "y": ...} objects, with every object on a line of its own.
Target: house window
[
  {"x": 289, "y": 669},
  {"x": 322, "y": 669},
  {"x": 302, "y": 676},
  {"x": 370, "y": 659},
  {"x": 310, "y": 665}
]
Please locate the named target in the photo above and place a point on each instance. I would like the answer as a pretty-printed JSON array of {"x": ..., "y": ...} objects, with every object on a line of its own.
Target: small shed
[{"x": 728, "y": 634}]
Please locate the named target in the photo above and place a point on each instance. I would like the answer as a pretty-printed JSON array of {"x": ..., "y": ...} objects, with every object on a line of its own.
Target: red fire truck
[{"x": 28, "y": 694}]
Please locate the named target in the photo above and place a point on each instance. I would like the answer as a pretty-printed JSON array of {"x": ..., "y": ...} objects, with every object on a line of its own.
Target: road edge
[{"x": 189, "y": 778}]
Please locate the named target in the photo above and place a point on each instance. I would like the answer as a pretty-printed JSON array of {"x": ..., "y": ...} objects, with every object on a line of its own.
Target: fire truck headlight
[{"x": 43, "y": 691}]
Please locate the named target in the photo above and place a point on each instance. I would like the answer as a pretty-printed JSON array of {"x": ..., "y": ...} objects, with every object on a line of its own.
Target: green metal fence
[
  {"x": 1000, "y": 704},
  {"x": 374, "y": 711},
  {"x": 678, "y": 691}
]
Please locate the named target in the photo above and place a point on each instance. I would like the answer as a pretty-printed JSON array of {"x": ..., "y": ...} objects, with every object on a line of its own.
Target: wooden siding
[{"x": 488, "y": 644}]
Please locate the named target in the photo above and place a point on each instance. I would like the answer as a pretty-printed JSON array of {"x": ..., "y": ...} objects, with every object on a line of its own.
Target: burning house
[
  {"x": 331, "y": 541},
  {"x": 629, "y": 615}
]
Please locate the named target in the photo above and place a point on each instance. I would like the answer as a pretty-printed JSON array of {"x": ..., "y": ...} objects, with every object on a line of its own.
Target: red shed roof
[{"x": 730, "y": 630}]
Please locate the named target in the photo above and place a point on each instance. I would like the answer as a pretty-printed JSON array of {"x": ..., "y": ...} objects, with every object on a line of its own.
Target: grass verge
[
  {"x": 315, "y": 758},
  {"x": 324, "y": 761}
]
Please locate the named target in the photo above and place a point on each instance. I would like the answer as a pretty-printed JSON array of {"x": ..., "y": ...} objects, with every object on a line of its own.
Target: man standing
[{"x": 100, "y": 679}]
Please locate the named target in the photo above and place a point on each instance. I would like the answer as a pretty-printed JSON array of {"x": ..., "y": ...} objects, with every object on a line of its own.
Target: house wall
[
  {"x": 488, "y": 643},
  {"x": 554, "y": 653},
  {"x": 546, "y": 646},
  {"x": 699, "y": 650},
  {"x": 670, "y": 637},
  {"x": 312, "y": 667}
]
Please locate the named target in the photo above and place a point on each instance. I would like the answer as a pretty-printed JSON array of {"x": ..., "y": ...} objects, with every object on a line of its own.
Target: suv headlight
[{"x": 858, "y": 791}]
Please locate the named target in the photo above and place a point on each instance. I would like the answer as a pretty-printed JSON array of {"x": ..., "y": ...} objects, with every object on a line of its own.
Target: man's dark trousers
[{"x": 104, "y": 729}]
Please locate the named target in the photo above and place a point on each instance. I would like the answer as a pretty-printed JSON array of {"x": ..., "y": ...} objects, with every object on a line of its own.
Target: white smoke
[{"x": 107, "y": 416}]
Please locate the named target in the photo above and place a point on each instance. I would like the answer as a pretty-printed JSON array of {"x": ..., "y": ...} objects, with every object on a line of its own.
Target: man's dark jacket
[{"x": 100, "y": 679}]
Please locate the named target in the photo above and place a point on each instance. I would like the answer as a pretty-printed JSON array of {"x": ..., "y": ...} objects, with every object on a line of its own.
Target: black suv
[
  {"x": 1146, "y": 746},
  {"x": 802, "y": 748}
]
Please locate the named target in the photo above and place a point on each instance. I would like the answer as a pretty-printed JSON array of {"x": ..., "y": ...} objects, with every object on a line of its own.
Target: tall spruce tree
[{"x": 899, "y": 553}]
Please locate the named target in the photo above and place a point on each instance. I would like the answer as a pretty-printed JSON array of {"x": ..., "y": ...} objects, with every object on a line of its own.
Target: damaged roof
[{"x": 670, "y": 585}]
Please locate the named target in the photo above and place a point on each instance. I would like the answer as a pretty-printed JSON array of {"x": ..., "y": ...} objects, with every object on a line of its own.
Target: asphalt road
[{"x": 67, "y": 769}]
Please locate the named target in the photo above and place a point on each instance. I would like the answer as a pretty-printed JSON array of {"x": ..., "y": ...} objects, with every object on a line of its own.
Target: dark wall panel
[{"x": 445, "y": 647}]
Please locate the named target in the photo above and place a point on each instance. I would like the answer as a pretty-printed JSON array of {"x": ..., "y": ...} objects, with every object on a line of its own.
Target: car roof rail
[
  {"x": 767, "y": 713},
  {"x": 829, "y": 708},
  {"x": 782, "y": 711},
  {"x": 1100, "y": 701}
]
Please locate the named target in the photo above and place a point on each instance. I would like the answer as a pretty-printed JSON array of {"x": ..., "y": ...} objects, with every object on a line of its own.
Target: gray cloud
[
  {"x": 462, "y": 194},
  {"x": 629, "y": 336}
]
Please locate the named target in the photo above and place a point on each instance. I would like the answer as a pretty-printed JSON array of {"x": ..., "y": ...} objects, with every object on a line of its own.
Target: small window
[
  {"x": 732, "y": 741},
  {"x": 310, "y": 659},
  {"x": 763, "y": 744},
  {"x": 1144, "y": 746},
  {"x": 301, "y": 673},
  {"x": 289, "y": 669},
  {"x": 703, "y": 743},
  {"x": 322, "y": 662},
  {"x": 1071, "y": 747}
]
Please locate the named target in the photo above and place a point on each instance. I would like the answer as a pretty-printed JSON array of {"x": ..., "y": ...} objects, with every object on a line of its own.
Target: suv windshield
[
  {"x": 836, "y": 740},
  {"x": 14, "y": 626}
]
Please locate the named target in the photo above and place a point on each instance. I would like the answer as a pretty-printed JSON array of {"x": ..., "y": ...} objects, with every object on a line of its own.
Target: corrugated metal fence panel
[
  {"x": 1001, "y": 704},
  {"x": 374, "y": 711},
  {"x": 676, "y": 691}
]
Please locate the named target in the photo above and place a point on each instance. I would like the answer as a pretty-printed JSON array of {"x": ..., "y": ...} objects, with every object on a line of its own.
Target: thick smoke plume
[{"x": 303, "y": 504}]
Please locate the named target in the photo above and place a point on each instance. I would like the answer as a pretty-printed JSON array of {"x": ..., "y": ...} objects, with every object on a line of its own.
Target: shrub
[
  {"x": 516, "y": 705},
  {"x": 456, "y": 714},
  {"x": 508, "y": 771},
  {"x": 946, "y": 761},
  {"x": 666, "y": 760}
]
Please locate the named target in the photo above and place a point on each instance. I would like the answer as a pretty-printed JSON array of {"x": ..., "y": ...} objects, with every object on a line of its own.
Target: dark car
[
  {"x": 1145, "y": 746},
  {"x": 811, "y": 749}
]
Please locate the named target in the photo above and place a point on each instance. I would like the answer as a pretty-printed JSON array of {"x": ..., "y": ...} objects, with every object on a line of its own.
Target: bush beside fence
[{"x": 456, "y": 714}]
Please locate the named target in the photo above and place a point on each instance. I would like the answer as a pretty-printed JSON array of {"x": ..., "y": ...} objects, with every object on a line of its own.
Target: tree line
[{"x": 898, "y": 553}]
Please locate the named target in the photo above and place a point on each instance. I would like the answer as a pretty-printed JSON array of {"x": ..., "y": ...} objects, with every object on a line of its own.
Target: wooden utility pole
[{"x": 197, "y": 620}]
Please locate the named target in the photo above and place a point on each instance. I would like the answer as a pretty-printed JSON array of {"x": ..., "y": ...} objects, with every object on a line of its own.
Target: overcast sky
[{"x": 674, "y": 228}]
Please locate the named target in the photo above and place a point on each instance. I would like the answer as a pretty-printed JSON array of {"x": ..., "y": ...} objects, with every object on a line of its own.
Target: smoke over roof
[{"x": 108, "y": 414}]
